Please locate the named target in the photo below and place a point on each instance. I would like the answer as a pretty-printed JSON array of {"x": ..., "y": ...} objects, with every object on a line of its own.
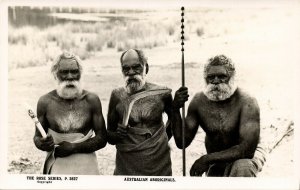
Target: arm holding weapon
[
  {"x": 117, "y": 131},
  {"x": 41, "y": 140}
]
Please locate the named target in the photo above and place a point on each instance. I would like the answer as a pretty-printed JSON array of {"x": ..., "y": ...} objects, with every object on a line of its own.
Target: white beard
[
  {"x": 65, "y": 91},
  {"x": 221, "y": 91},
  {"x": 135, "y": 83}
]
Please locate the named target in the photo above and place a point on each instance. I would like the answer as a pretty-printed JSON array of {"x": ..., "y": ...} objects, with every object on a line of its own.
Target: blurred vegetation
[
  {"x": 34, "y": 46},
  {"x": 38, "y": 38}
]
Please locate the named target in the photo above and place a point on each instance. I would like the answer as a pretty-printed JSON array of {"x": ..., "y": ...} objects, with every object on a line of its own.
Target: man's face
[
  {"x": 217, "y": 75},
  {"x": 219, "y": 85},
  {"x": 68, "y": 70},
  {"x": 68, "y": 76},
  {"x": 133, "y": 72}
]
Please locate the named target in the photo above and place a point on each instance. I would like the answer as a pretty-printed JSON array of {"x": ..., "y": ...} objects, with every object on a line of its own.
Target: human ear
[{"x": 147, "y": 68}]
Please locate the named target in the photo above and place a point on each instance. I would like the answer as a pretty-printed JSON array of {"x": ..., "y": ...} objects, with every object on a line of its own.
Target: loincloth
[
  {"x": 79, "y": 163},
  {"x": 150, "y": 157}
]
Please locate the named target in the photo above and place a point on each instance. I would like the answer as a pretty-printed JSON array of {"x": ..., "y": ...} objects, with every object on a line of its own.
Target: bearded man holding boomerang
[
  {"x": 135, "y": 123},
  {"x": 70, "y": 116}
]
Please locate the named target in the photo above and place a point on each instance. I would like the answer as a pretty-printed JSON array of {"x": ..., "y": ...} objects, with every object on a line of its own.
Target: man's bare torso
[
  {"x": 68, "y": 116},
  {"x": 220, "y": 121},
  {"x": 146, "y": 112}
]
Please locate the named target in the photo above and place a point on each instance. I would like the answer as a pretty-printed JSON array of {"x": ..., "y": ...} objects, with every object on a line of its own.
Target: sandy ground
[{"x": 266, "y": 57}]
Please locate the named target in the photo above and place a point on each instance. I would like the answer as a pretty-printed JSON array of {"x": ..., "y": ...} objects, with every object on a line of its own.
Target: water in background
[{"x": 42, "y": 17}]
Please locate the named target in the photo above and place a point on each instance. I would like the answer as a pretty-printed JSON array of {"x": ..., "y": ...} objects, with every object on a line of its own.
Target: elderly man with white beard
[
  {"x": 142, "y": 142},
  {"x": 231, "y": 120},
  {"x": 73, "y": 119}
]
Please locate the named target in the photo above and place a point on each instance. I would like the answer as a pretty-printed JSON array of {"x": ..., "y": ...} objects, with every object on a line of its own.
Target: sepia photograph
[{"x": 161, "y": 94}]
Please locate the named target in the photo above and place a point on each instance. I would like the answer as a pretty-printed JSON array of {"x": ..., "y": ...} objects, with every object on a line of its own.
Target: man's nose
[
  {"x": 70, "y": 76},
  {"x": 216, "y": 80},
  {"x": 131, "y": 72}
]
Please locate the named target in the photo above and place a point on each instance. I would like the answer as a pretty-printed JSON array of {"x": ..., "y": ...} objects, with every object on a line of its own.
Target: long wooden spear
[{"x": 183, "y": 84}]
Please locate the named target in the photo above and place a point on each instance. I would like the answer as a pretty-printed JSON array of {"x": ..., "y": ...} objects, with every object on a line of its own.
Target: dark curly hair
[{"x": 220, "y": 60}]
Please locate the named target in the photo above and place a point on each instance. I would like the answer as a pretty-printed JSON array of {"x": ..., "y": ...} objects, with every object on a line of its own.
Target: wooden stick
[
  {"x": 183, "y": 84},
  {"x": 288, "y": 132}
]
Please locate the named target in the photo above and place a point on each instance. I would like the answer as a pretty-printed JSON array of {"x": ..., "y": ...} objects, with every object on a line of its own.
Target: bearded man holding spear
[
  {"x": 135, "y": 123},
  {"x": 230, "y": 118}
]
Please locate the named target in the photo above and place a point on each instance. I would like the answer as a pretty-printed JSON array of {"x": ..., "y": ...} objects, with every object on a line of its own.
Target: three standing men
[{"x": 229, "y": 117}]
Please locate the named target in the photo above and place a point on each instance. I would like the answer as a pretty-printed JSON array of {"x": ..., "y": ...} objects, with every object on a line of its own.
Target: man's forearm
[
  {"x": 112, "y": 138},
  {"x": 234, "y": 153},
  {"x": 90, "y": 145},
  {"x": 37, "y": 145},
  {"x": 177, "y": 129},
  {"x": 169, "y": 129}
]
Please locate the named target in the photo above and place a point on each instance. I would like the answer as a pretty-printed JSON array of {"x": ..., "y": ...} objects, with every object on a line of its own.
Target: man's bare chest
[
  {"x": 68, "y": 116},
  {"x": 219, "y": 119},
  {"x": 145, "y": 109}
]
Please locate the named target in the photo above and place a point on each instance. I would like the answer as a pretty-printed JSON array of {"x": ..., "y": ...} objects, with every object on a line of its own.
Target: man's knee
[{"x": 243, "y": 168}]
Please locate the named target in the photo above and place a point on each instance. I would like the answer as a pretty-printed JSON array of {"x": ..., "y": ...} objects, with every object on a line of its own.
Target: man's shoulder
[
  {"x": 247, "y": 100},
  {"x": 90, "y": 96},
  {"x": 198, "y": 99},
  {"x": 199, "y": 96},
  {"x": 92, "y": 100},
  {"x": 45, "y": 99},
  {"x": 117, "y": 92},
  {"x": 48, "y": 96},
  {"x": 245, "y": 96}
]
